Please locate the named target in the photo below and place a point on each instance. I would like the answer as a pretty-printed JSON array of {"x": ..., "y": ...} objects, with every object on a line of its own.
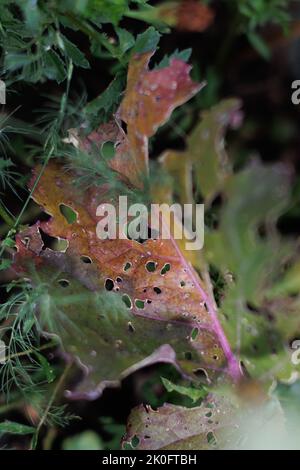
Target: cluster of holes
[{"x": 110, "y": 284}]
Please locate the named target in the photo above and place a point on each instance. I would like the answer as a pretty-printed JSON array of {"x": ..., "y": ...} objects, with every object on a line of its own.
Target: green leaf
[
  {"x": 10, "y": 427},
  {"x": 183, "y": 55},
  {"x": 47, "y": 368},
  {"x": 255, "y": 198},
  {"x": 194, "y": 394},
  {"x": 55, "y": 67},
  {"x": 109, "y": 99},
  {"x": 33, "y": 15},
  {"x": 74, "y": 53},
  {"x": 126, "y": 40},
  {"x": 16, "y": 60},
  {"x": 5, "y": 264},
  {"x": 259, "y": 44},
  {"x": 146, "y": 41}
]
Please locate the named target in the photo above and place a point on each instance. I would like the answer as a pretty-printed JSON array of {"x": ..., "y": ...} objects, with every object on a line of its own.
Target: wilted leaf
[
  {"x": 87, "y": 440},
  {"x": 154, "y": 296},
  {"x": 186, "y": 15},
  {"x": 168, "y": 306},
  {"x": 174, "y": 427},
  {"x": 205, "y": 158},
  {"x": 218, "y": 423},
  {"x": 10, "y": 427},
  {"x": 150, "y": 98}
]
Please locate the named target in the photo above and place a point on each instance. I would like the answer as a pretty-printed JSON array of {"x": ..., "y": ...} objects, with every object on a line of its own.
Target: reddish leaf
[
  {"x": 220, "y": 423},
  {"x": 186, "y": 15},
  {"x": 176, "y": 296},
  {"x": 150, "y": 98},
  {"x": 170, "y": 293}
]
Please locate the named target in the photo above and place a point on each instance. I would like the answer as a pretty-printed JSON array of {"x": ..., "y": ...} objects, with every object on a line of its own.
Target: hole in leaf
[
  {"x": 182, "y": 283},
  {"x": 157, "y": 290},
  {"x": 140, "y": 240},
  {"x": 119, "y": 280},
  {"x": 86, "y": 259},
  {"x": 109, "y": 284},
  {"x": 124, "y": 126},
  {"x": 68, "y": 213},
  {"x": 209, "y": 414},
  {"x": 127, "y": 266},
  {"x": 188, "y": 356},
  {"x": 108, "y": 150},
  {"x": 194, "y": 334},
  {"x": 165, "y": 269},
  {"x": 54, "y": 243},
  {"x": 64, "y": 283},
  {"x": 211, "y": 439},
  {"x": 26, "y": 241},
  {"x": 201, "y": 374},
  {"x": 140, "y": 304},
  {"x": 152, "y": 233},
  {"x": 244, "y": 370},
  {"x": 135, "y": 441},
  {"x": 151, "y": 266},
  {"x": 127, "y": 300},
  {"x": 252, "y": 308}
]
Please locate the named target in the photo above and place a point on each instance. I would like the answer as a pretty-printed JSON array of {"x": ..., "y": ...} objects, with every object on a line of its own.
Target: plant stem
[
  {"x": 50, "y": 403},
  {"x": 6, "y": 217}
]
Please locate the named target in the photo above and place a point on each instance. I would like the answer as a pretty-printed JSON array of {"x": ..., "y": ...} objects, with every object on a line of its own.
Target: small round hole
[
  {"x": 64, "y": 283},
  {"x": 86, "y": 259},
  {"x": 140, "y": 304},
  {"x": 151, "y": 266},
  {"x": 165, "y": 269},
  {"x": 127, "y": 266},
  {"x": 109, "y": 284}
]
